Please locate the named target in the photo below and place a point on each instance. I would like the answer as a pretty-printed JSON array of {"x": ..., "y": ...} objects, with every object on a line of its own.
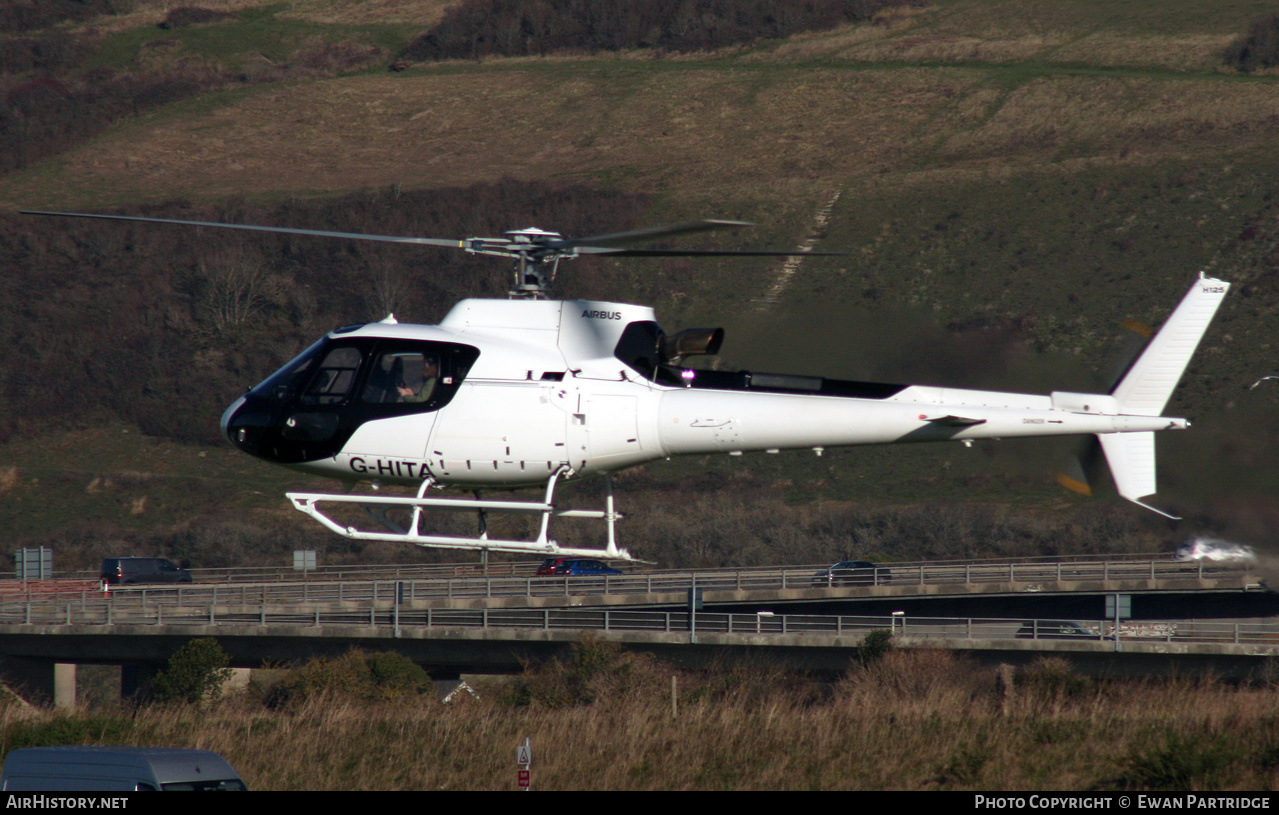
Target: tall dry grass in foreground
[{"x": 910, "y": 720}]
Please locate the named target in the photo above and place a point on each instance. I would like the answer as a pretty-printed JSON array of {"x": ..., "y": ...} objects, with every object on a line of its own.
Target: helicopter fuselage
[
  {"x": 506, "y": 393},
  {"x": 526, "y": 392}
]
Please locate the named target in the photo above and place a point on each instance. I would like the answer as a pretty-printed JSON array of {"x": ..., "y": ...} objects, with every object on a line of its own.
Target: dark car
[
  {"x": 131, "y": 570},
  {"x": 1057, "y": 630},
  {"x": 852, "y": 573},
  {"x": 573, "y": 566}
]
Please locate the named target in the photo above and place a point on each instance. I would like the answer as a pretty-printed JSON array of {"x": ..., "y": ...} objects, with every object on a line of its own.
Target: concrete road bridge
[{"x": 475, "y": 624}]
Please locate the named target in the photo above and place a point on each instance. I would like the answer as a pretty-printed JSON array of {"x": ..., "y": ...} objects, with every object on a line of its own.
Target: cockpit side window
[
  {"x": 335, "y": 377},
  {"x": 402, "y": 377},
  {"x": 411, "y": 376}
]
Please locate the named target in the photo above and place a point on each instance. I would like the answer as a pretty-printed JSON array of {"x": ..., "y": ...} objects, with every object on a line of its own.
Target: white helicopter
[{"x": 529, "y": 391}]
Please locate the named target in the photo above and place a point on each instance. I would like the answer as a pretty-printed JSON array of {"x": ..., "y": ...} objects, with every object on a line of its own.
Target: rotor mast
[{"x": 537, "y": 262}]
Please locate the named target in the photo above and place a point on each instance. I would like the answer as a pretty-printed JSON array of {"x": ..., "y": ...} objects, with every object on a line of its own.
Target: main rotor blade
[
  {"x": 648, "y": 233},
  {"x": 584, "y": 246},
  {"x": 638, "y": 253},
  {"x": 320, "y": 233}
]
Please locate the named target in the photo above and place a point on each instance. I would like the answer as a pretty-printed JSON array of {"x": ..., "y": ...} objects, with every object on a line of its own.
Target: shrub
[
  {"x": 195, "y": 674},
  {"x": 1053, "y": 679},
  {"x": 922, "y": 678},
  {"x": 1259, "y": 49},
  {"x": 595, "y": 670},
  {"x": 356, "y": 675},
  {"x": 394, "y": 674},
  {"x": 749, "y": 682},
  {"x": 35, "y": 15},
  {"x": 187, "y": 16},
  {"x": 874, "y": 646},
  {"x": 480, "y": 28}
]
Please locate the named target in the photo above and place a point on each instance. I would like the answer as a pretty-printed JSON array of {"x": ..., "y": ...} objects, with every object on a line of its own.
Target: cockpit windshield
[{"x": 287, "y": 381}]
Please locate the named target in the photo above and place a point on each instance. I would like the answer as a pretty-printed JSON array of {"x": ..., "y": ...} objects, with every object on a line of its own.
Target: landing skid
[{"x": 377, "y": 507}]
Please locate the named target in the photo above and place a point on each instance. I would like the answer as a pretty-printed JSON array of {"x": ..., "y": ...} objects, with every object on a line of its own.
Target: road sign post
[
  {"x": 524, "y": 758},
  {"x": 1118, "y": 607}
]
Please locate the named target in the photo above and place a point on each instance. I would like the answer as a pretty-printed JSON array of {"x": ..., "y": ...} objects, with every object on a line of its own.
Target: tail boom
[{"x": 697, "y": 421}]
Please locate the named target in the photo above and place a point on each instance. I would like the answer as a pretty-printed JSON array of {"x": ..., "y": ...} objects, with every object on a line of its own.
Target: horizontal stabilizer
[{"x": 953, "y": 421}]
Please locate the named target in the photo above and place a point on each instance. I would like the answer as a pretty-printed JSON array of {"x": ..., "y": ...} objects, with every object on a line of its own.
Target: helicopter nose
[
  {"x": 227, "y": 416},
  {"x": 245, "y": 423}
]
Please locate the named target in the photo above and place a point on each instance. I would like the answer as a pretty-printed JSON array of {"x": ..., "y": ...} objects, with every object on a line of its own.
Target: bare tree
[
  {"x": 234, "y": 288},
  {"x": 388, "y": 293}
]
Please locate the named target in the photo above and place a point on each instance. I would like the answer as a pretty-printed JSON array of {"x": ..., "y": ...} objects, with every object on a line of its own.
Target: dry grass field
[
  {"x": 954, "y": 87},
  {"x": 918, "y": 720},
  {"x": 715, "y": 131}
]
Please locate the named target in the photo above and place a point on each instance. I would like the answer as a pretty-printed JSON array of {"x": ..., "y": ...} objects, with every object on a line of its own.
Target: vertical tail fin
[
  {"x": 1148, "y": 385},
  {"x": 1131, "y": 457}
]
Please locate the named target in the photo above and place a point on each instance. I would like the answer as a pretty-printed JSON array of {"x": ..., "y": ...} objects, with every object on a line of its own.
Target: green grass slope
[{"x": 1015, "y": 179}]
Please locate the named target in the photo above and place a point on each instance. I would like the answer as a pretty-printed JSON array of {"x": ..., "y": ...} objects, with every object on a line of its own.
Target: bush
[
  {"x": 1053, "y": 679},
  {"x": 874, "y": 646},
  {"x": 594, "y": 671},
  {"x": 905, "y": 678},
  {"x": 749, "y": 683},
  {"x": 1259, "y": 49},
  {"x": 357, "y": 675},
  {"x": 187, "y": 16},
  {"x": 480, "y": 28},
  {"x": 34, "y": 15},
  {"x": 195, "y": 674}
]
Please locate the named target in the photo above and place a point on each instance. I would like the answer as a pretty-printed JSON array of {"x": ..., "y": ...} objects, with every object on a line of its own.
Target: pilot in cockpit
[{"x": 418, "y": 377}]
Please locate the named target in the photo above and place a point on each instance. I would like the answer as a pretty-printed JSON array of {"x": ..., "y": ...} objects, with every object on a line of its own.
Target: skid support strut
[{"x": 377, "y": 506}]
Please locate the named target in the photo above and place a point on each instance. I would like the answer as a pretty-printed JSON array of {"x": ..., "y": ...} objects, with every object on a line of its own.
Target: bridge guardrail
[
  {"x": 1026, "y": 574},
  {"x": 519, "y": 568},
  {"x": 108, "y": 615}
]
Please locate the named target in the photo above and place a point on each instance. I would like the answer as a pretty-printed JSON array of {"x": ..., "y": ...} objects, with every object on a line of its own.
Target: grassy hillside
[{"x": 1015, "y": 178}]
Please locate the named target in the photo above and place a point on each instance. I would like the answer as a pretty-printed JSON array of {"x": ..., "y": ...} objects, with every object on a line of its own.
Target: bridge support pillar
[
  {"x": 239, "y": 680},
  {"x": 42, "y": 680}
]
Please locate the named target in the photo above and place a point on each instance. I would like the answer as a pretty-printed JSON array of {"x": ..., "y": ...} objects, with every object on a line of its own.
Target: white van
[{"x": 116, "y": 769}]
